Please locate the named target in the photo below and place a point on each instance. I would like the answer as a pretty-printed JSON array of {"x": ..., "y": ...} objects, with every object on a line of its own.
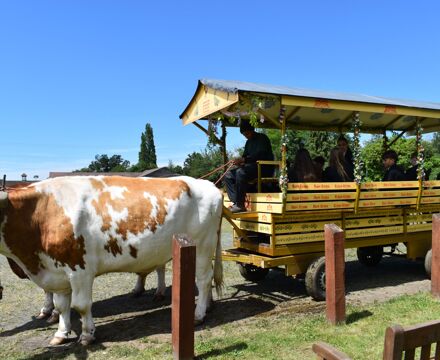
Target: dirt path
[{"x": 121, "y": 318}]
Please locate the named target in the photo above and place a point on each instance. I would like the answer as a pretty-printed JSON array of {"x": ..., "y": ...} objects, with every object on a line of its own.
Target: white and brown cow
[
  {"x": 63, "y": 232},
  {"x": 48, "y": 310}
]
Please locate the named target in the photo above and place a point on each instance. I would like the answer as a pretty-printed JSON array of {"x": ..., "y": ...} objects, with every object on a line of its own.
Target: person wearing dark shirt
[
  {"x": 336, "y": 172},
  {"x": 257, "y": 147},
  {"x": 303, "y": 169},
  {"x": 347, "y": 155},
  {"x": 393, "y": 172},
  {"x": 319, "y": 162},
  {"x": 411, "y": 173}
]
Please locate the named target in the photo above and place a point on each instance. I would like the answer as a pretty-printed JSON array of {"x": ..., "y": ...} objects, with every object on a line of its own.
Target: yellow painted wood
[
  {"x": 432, "y": 183},
  {"x": 322, "y": 186},
  {"x": 303, "y": 227},
  {"x": 419, "y": 227},
  {"x": 389, "y": 185},
  {"x": 299, "y": 238},
  {"x": 418, "y": 249},
  {"x": 431, "y": 192},
  {"x": 390, "y": 202},
  {"x": 254, "y": 226},
  {"x": 358, "y": 106},
  {"x": 388, "y": 194},
  {"x": 266, "y": 197},
  {"x": 319, "y": 205},
  {"x": 373, "y": 231},
  {"x": 430, "y": 200},
  {"x": 301, "y": 263},
  {"x": 321, "y": 196},
  {"x": 306, "y": 217},
  {"x": 373, "y": 213},
  {"x": 266, "y": 218},
  {"x": 207, "y": 101},
  {"x": 267, "y": 207},
  {"x": 419, "y": 218},
  {"x": 429, "y": 208},
  {"x": 373, "y": 222}
]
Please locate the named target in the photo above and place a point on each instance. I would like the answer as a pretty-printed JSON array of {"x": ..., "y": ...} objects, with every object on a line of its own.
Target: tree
[
  {"x": 176, "y": 169},
  {"x": 198, "y": 164},
  {"x": 147, "y": 153},
  {"x": 103, "y": 163}
]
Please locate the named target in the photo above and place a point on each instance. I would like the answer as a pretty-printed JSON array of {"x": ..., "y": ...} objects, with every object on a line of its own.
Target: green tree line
[{"x": 200, "y": 163}]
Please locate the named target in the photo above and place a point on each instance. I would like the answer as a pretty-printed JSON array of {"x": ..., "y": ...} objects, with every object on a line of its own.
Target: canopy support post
[
  {"x": 420, "y": 161},
  {"x": 284, "y": 180}
]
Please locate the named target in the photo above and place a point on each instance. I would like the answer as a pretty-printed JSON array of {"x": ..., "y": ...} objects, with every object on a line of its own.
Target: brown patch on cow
[
  {"x": 36, "y": 224},
  {"x": 16, "y": 269},
  {"x": 140, "y": 209},
  {"x": 113, "y": 247},
  {"x": 133, "y": 251}
]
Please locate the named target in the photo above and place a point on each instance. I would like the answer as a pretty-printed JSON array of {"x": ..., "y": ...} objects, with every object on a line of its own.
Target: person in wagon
[
  {"x": 303, "y": 169},
  {"x": 393, "y": 172},
  {"x": 347, "y": 155},
  {"x": 257, "y": 147},
  {"x": 336, "y": 172}
]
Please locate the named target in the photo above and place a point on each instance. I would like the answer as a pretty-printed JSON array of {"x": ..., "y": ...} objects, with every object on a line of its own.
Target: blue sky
[{"x": 80, "y": 78}]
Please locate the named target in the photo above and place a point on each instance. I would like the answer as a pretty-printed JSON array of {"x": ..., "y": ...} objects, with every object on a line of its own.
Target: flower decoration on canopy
[
  {"x": 420, "y": 152},
  {"x": 357, "y": 149},
  {"x": 284, "y": 179}
]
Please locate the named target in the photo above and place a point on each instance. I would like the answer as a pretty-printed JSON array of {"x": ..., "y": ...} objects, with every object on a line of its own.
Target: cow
[
  {"x": 48, "y": 310},
  {"x": 63, "y": 232}
]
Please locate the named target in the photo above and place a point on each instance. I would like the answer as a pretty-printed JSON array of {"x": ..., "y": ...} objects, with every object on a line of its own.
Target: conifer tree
[{"x": 147, "y": 153}]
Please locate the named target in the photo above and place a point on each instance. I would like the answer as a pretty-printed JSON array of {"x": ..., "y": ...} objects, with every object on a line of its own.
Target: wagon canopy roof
[{"x": 306, "y": 109}]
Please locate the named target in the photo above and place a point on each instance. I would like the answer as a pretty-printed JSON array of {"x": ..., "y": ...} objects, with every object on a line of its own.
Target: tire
[
  {"x": 315, "y": 279},
  {"x": 428, "y": 263},
  {"x": 251, "y": 272},
  {"x": 370, "y": 256}
]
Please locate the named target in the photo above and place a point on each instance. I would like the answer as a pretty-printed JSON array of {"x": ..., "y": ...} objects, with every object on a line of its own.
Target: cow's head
[{"x": 3, "y": 199}]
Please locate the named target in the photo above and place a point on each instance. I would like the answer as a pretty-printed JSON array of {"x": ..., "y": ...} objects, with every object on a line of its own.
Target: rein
[{"x": 229, "y": 164}]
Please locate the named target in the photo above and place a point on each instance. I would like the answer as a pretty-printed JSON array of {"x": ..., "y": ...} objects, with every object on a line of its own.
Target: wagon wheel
[
  {"x": 428, "y": 262},
  {"x": 251, "y": 272},
  {"x": 370, "y": 255},
  {"x": 315, "y": 279}
]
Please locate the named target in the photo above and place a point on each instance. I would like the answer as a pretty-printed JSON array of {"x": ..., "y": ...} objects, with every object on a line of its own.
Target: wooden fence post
[
  {"x": 334, "y": 274},
  {"x": 435, "y": 259},
  {"x": 183, "y": 297}
]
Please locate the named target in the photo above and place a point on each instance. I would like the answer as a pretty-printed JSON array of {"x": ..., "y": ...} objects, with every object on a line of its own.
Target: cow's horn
[{"x": 3, "y": 199}]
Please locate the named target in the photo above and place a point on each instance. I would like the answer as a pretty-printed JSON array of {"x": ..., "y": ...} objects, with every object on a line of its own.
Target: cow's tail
[{"x": 218, "y": 264}]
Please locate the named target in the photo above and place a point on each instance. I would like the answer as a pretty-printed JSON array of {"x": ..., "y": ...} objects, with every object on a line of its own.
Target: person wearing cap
[
  {"x": 257, "y": 147},
  {"x": 393, "y": 172}
]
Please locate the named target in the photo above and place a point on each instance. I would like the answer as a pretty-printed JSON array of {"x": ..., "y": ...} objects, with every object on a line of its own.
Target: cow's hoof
[
  {"x": 42, "y": 315},
  {"x": 86, "y": 339},
  {"x": 57, "y": 341},
  {"x": 158, "y": 298},
  {"x": 53, "y": 319}
]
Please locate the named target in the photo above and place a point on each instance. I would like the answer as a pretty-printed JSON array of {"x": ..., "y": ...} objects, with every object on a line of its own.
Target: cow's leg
[
  {"x": 48, "y": 306},
  {"x": 204, "y": 281},
  {"x": 62, "y": 304},
  {"x": 82, "y": 302},
  {"x": 161, "y": 286},
  {"x": 139, "y": 288}
]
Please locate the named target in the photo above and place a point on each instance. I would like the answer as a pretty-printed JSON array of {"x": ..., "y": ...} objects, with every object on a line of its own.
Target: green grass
[
  {"x": 290, "y": 337},
  {"x": 275, "y": 335}
]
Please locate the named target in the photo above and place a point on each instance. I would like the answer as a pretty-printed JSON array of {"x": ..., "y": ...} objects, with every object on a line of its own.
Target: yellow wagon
[{"x": 285, "y": 228}]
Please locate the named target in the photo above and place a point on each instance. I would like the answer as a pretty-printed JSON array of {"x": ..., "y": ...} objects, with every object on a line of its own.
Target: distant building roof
[
  {"x": 157, "y": 172},
  {"x": 54, "y": 174}
]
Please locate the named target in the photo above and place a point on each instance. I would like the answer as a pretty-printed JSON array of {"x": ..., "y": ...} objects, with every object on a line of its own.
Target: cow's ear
[{"x": 3, "y": 199}]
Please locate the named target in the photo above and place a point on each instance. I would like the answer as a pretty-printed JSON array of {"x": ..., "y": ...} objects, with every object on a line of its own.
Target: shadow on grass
[
  {"x": 224, "y": 351},
  {"x": 147, "y": 323},
  {"x": 356, "y": 316}
]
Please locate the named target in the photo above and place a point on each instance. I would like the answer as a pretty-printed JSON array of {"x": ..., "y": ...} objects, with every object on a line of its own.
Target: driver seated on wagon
[{"x": 257, "y": 147}]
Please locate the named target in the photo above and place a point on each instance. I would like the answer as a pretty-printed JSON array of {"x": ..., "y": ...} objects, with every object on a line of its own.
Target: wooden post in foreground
[
  {"x": 334, "y": 274},
  {"x": 184, "y": 268},
  {"x": 435, "y": 259}
]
